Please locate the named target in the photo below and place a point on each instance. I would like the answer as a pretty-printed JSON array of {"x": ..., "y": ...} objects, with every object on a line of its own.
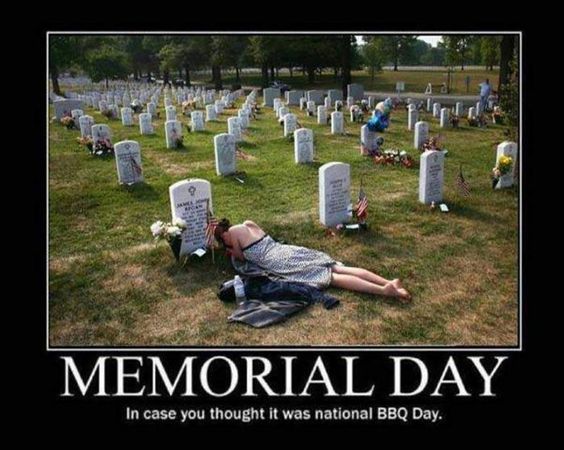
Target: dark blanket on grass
[{"x": 270, "y": 301}]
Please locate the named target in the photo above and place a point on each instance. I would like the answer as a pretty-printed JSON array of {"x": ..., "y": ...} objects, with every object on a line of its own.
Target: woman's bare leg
[
  {"x": 354, "y": 283},
  {"x": 361, "y": 273}
]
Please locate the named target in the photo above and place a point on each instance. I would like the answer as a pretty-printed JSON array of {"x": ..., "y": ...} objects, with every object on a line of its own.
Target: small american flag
[
  {"x": 136, "y": 166},
  {"x": 462, "y": 184},
  {"x": 210, "y": 229},
  {"x": 362, "y": 205}
]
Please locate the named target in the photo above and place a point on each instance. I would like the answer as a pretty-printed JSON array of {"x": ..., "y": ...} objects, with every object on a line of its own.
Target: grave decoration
[
  {"x": 102, "y": 147},
  {"x": 394, "y": 157},
  {"x": 381, "y": 118},
  {"x": 136, "y": 107},
  {"x": 454, "y": 121},
  {"x": 360, "y": 210},
  {"x": 497, "y": 115},
  {"x": 68, "y": 122},
  {"x": 433, "y": 144},
  {"x": 171, "y": 232},
  {"x": 86, "y": 141},
  {"x": 503, "y": 167},
  {"x": 477, "y": 121}
]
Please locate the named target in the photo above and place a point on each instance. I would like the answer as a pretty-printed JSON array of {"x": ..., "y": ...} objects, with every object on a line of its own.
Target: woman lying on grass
[{"x": 248, "y": 242}]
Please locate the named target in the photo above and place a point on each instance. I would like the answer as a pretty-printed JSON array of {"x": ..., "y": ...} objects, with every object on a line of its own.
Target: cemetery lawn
[{"x": 110, "y": 284}]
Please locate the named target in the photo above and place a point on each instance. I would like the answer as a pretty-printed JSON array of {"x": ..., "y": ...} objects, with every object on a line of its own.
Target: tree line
[{"x": 169, "y": 57}]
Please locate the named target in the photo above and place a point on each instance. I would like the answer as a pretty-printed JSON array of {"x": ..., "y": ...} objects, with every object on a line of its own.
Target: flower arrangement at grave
[
  {"x": 497, "y": 115},
  {"x": 86, "y": 141},
  {"x": 136, "y": 107},
  {"x": 394, "y": 157},
  {"x": 431, "y": 144},
  {"x": 503, "y": 167},
  {"x": 454, "y": 120},
  {"x": 171, "y": 232},
  {"x": 102, "y": 147},
  {"x": 68, "y": 122},
  {"x": 478, "y": 121},
  {"x": 357, "y": 114}
]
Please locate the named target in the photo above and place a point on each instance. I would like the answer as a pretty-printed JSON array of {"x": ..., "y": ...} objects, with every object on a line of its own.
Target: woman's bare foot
[
  {"x": 397, "y": 283},
  {"x": 392, "y": 290}
]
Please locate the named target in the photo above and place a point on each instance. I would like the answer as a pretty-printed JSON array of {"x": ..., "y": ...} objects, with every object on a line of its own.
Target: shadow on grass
[
  {"x": 141, "y": 191},
  {"x": 458, "y": 208}
]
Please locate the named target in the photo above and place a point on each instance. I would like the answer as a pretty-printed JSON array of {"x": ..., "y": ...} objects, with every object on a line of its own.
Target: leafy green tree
[
  {"x": 105, "y": 63},
  {"x": 490, "y": 51},
  {"x": 398, "y": 48},
  {"x": 373, "y": 55},
  {"x": 457, "y": 48}
]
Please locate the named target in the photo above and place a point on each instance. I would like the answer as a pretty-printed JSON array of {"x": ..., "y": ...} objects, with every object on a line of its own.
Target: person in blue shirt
[{"x": 485, "y": 91}]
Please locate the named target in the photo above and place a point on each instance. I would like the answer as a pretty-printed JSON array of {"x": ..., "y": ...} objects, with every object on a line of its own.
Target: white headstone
[
  {"x": 282, "y": 111},
  {"x": 170, "y": 112},
  {"x": 350, "y": 101},
  {"x": 290, "y": 123},
  {"x": 85, "y": 123},
  {"x": 322, "y": 115},
  {"x": 303, "y": 103},
  {"x": 310, "y": 105},
  {"x": 189, "y": 201},
  {"x": 243, "y": 118},
  {"x": 431, "y": 175},
  {"x": 225, "y": 147},
  {"x": 101, "y": 132},
  {"x": 412, "y": 117},
  {"x": 444, "y": 118},
  {"x": 126, "y": 116},
  {"x": 368, "y": 140},
  {"x": 75, "y": 114},
  {"x": 507, "y": 148},
  {"x": 421, "y": 134},
  {"x": 276, "y": 103},
  {"x": 303, "y": 146},
  {"x": 173, "y": 132},
  {"x": 327, "y": 102},
  {"x": 210, "y": 113},
  {"x": 128, "y": 162},
  {"x": 459, "y": 109},
  {"x": 197, "y": 118},
  {"x": 471, "y": 112},
  {"x": 337, "y": 123},
  {"x": 145, "y": 123},
  {"x": 436, "y": 109},
  {"x": 234, "y": 128},
  {"x": 429, "y": 104},
  {"x": 334, "y": 193},
  {"x": 152, "y": 109},
  {"x": 478, "y": 108}
]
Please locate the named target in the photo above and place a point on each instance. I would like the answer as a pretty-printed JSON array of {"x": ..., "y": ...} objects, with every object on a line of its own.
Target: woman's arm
[{"x": 236, "y": 249}]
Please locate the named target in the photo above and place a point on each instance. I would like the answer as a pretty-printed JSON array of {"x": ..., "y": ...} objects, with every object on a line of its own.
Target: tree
[
  {"x": 106, "y": 63},
  {"x": 507, "y": 65},
  {"x": 398, "y": 48},
  {"x": 490, "y": 51},
  {"x": 64, "y": 51},
  {"x": 346, "y": 52},
  {"x": 373, "y": 55},
  {"x": 457, "y": 47}
]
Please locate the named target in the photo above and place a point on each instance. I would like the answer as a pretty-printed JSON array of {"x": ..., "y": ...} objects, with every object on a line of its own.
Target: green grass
[
  {"x": 111, "y": 285},
  {"x": 384, "y": 81}
]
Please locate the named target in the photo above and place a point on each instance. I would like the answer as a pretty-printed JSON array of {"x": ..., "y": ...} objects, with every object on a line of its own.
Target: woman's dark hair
[{"x": 221, "y": 228}]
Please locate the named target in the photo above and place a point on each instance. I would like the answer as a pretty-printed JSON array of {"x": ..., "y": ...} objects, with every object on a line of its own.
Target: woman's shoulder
[{"x": 250, "y": 223}]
